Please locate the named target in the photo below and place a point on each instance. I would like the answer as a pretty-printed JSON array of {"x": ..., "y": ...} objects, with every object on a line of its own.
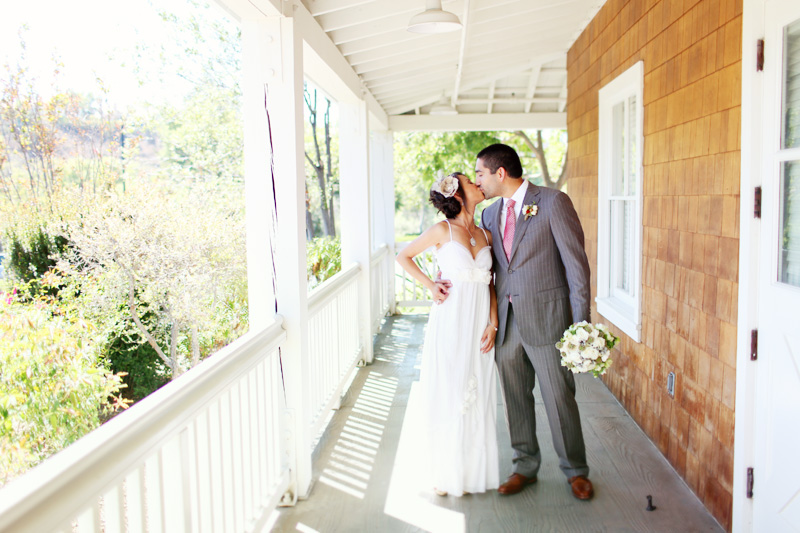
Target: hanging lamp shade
[
  {"x": 442, "y": 107},
  {"x": 434, "y": 19}
]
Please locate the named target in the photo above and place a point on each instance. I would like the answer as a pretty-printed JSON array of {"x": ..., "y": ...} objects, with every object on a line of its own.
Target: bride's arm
[
  {"x": 490, "y": 332},
  {"x": 430, "y": 237}
]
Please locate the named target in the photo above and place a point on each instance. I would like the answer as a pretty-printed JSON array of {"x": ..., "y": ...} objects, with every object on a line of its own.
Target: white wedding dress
[{"x": 457, "y": 381}]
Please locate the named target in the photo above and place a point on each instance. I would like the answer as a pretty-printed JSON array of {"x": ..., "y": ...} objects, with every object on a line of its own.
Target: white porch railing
[
  {"x": 206, "y": 452},
  {"x": 203, "y": 453},
  {"x": 408, "y": 291},
  {"x": 381, "y": 273},
  {"x": 334, "y": 342}
]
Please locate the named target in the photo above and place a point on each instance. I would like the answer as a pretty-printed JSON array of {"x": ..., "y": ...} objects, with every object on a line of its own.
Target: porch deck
[{"x": 366, "y": 478}]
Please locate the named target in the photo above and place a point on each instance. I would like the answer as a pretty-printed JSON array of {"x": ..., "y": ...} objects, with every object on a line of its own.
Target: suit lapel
[
  {"x": 531, "y": 196},
  {"x": 498, "y": 239}
]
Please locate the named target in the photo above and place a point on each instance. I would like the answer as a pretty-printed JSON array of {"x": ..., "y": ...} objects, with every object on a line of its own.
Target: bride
[{"x": 457, "y": 376}]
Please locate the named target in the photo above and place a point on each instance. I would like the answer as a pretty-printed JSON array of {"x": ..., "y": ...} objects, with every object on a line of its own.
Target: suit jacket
[{"x": 548, "y": 274}]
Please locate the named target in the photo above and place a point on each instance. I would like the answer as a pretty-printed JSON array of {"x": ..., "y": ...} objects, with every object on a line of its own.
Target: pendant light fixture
[{"x": 434, "y": 19}]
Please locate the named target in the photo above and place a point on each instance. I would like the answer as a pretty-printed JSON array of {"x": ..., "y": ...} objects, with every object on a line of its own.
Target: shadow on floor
[{"x": 367, "y": 474}]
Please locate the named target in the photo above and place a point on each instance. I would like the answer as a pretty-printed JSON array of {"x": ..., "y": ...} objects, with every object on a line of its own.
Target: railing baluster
[
  {"x": 219, "y": 459},
  {"x": 234, "y": 420},
  {"x": 113, "y": 509}
]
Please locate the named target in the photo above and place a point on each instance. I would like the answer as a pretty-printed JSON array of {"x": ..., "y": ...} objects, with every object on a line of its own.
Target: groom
[{"x": 542, "y": 286}]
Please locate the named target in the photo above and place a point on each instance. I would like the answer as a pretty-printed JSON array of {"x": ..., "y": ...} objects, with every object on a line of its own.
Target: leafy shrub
[
  {"x": 31, "y": 253},
  {"x": 53, "y": 388},
  {"x": 324, "y": 259}
]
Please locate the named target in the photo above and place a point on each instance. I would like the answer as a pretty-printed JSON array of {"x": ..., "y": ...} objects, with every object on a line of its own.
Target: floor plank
[{"x": 367, "y": 477}]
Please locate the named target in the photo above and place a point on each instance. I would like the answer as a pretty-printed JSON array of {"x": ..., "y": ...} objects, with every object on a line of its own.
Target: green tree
[
  {"x": 549, "y": 150},
  {"x": 53, "y": 387},
  {"x": 321, "y": 159},
  {"x": 419, "y": 155}
]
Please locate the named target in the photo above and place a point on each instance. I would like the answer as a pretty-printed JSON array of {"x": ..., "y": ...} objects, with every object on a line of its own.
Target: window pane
[
  {"x": 618, "y": 150},
  {"x": 632, "y": 148},
  {"x": 789, "y": 263},
  {"x": 622, "y": 245},
  {"x": 791, "y": 89}
]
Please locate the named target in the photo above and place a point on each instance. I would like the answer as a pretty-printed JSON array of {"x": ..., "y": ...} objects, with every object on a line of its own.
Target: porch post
[
  {"x": 284, "y": 58},
  {"x": 382, "y": 181},
  {"x": 354, "y": 194},
  {"x": 257, "y": 182}
]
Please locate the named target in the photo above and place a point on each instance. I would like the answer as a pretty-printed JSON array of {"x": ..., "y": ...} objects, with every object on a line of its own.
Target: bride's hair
[{"x": 449, "y": 207}]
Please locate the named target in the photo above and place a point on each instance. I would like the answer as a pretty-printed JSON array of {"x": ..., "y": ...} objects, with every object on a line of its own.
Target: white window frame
[{"x": 623, "y": 310}]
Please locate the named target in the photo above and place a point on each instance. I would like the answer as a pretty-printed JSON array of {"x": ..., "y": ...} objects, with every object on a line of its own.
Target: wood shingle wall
[{"x": 692, "y": 96}]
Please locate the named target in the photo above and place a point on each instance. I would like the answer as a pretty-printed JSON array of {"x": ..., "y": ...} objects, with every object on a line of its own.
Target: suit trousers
[{"x": 518, "y": 364}]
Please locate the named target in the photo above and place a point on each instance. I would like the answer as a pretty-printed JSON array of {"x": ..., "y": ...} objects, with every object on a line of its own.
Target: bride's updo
[{"x": 443, "y": 194}]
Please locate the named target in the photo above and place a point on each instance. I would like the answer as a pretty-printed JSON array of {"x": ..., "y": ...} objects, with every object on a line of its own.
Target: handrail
[
  {"x": 68, "y": 481},
  {"x": 330, "y": 287},
  {"x": 379, "y": 254}
]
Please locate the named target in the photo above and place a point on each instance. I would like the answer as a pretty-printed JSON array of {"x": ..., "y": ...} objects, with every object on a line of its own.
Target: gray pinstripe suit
[{"x": 547, "y": 279}]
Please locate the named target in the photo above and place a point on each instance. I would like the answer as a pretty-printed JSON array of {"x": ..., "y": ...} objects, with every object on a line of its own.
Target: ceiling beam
[
  {"x": 499, "y": 101},
  {"x": 433, "y": 96},
  {"x": 535, "y": 71},
  {"x": 490, "y": 99},
  {"x": 461, "y": 51},
  {"x": 563, "y": 96},
  {"x": 413, "y": 70},
  {"x": 478, "y": 122}
]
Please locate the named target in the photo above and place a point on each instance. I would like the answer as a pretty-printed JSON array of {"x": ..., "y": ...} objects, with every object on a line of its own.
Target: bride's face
[{"x": 472, "y": 193}]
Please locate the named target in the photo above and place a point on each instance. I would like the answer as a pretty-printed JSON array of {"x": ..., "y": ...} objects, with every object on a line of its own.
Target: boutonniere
[{"x": 530, "y": 210}]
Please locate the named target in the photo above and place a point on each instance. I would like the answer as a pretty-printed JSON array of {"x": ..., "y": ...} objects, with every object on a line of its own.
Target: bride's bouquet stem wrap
[{"x": 587, "y": 347}]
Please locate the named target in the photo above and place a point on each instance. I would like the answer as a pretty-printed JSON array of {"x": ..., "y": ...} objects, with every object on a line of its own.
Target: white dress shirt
[{"x": 519, "y": 198}]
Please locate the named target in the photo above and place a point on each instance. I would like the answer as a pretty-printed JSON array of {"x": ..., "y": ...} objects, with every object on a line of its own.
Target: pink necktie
[{"x": 508, "y": 232}]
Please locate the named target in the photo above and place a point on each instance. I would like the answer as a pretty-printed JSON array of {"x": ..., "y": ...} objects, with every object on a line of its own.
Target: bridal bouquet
[{"x": 586, "y": 348}]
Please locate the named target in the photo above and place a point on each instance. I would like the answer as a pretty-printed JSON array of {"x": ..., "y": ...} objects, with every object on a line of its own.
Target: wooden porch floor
[{"x": 366, "y": 478}]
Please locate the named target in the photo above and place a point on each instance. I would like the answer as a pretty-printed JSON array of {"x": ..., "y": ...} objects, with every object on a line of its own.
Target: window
[{"x": 619, "y": 220}]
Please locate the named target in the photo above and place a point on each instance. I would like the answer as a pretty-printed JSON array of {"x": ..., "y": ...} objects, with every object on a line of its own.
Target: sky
[{"x": 94, "y": 38}]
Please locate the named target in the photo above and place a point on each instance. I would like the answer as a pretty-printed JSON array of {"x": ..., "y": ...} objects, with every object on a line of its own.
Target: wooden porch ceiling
[{"x": 509, "y": 57}]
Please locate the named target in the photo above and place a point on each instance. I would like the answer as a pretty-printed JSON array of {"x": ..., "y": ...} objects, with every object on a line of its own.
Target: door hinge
[
  {"x": 750, "y": 482},
  {"x": 753, "y": 344},
  {"x": 760, "y": 55},
  {"x": 757, "y": 203}
]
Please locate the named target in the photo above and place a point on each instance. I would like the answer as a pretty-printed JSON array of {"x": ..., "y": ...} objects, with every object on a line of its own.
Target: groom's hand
[{"x": 441, "y": 290}]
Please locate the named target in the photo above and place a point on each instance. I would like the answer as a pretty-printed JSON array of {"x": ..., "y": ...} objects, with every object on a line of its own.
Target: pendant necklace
[{"x": 472, "y": 240}]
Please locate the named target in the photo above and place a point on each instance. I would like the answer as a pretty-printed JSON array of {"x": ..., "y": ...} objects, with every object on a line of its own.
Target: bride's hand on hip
[{"x": 487, "y": 339}]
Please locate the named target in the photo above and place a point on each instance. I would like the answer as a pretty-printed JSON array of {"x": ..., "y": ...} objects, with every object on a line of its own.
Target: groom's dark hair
[{"x": 501, "y": 155}]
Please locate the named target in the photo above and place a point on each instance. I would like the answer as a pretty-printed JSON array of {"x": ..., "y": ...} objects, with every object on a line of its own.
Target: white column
[
  {"x": 354, "y": 194},
  {"x": 283, "y": 58},
  {"x": 382, "y": 183},
  {"x": 257, "y": 180}
]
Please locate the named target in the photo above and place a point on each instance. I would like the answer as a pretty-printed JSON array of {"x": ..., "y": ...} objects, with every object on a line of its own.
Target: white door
[{"x": 776, "y": 503}]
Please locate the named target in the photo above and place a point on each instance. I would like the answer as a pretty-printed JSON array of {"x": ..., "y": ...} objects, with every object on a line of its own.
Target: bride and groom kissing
[{"x": 508, "y": 290}]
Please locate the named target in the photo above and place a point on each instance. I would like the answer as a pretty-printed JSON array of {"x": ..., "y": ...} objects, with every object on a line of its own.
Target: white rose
[{"x": 582, "y": 334}]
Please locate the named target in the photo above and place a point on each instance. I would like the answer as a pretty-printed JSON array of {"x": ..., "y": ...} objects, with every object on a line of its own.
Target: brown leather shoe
[
  {"x": 581, "y": 487},
  {"x": 515, "y": 483}
]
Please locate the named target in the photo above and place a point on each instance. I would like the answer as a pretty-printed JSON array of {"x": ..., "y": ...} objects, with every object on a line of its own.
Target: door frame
[
  {"x": 750, "y": 248},
  {"x": 749, "y": 245}
]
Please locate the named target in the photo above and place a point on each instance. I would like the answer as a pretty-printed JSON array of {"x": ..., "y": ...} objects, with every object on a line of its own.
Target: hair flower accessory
[
  {"x": 530, "y": 210},
  {"x": 445, "y": 185}
]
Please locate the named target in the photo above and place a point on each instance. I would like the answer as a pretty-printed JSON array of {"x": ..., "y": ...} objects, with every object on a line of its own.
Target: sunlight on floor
[
  {"x": 408, "y": 496},
  {"x": 353, "y": 456}
]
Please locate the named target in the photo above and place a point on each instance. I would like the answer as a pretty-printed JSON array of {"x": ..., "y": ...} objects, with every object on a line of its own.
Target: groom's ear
[{"x": 501, "y": 173}]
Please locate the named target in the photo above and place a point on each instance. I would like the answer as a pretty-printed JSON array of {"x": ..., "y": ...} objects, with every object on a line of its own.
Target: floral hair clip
[{"x": 445, "y": 185}]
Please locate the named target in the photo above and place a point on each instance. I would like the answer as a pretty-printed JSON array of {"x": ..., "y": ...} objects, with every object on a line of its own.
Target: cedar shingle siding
[{"x": 692, "y": 107}]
